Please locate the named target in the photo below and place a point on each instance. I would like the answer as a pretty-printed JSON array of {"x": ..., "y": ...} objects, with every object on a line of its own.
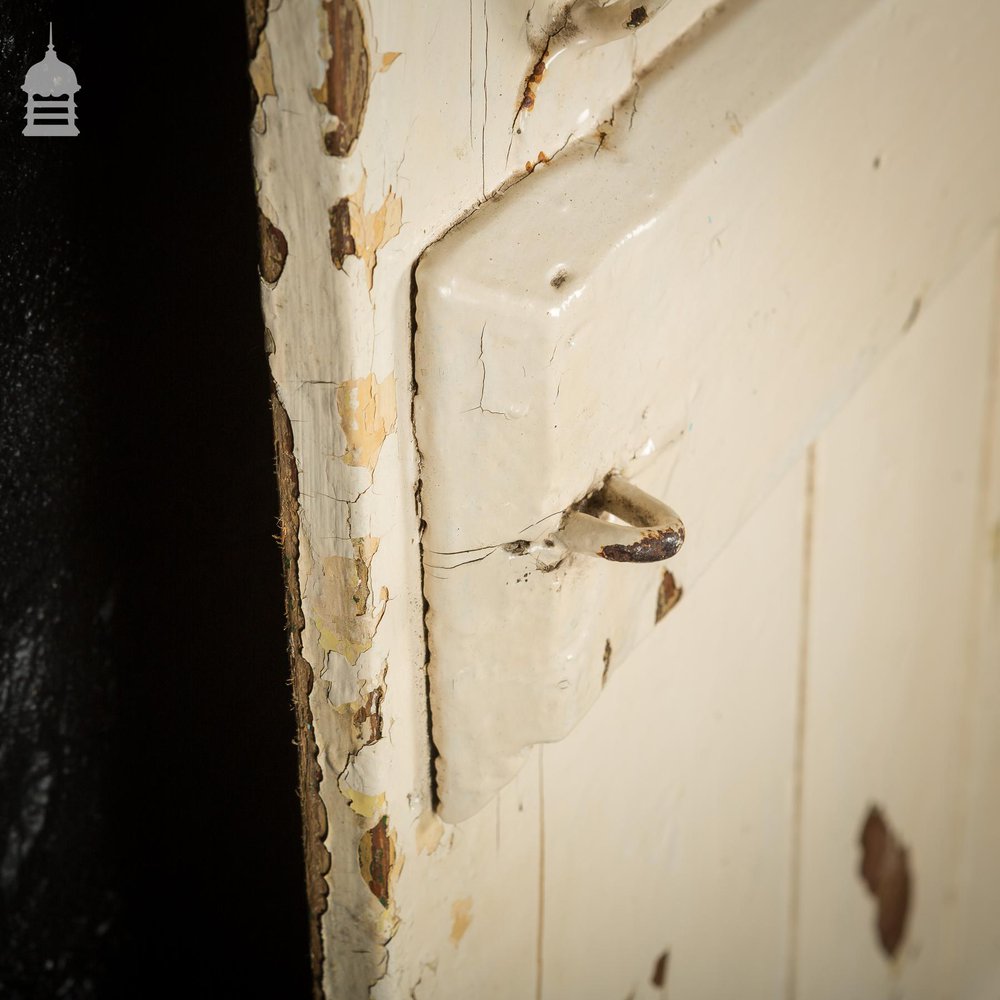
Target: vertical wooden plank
[
  {"x": 895, "y": 585},
  {"x": 977, "y": 938},
  {"x": 668, "y": 811}
]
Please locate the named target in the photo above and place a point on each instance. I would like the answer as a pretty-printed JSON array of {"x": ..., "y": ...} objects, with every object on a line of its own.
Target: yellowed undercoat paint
[
  {"x": 368, "y": 806},
  {"x": 461, "y": 917},
  {"x": 345, "y": 614},
  {"x": 262, "y": 78},
  {"x": 373, "y": 229},
  {"x": 367, "y": 410},
  {"x": 429, "y": 832}
]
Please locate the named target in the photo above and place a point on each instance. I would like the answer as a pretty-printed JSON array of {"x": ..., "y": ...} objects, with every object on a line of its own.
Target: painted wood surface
[
  {"x": 708, "y": 808},
  {"x": 898, "y": 656}
]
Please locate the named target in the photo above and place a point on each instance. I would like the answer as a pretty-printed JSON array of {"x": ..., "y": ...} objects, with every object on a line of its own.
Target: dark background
[{"x": 149, "y": 826}]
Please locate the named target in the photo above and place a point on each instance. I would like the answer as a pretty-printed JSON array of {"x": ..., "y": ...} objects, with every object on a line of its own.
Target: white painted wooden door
[{"x": 744, "y": 257}]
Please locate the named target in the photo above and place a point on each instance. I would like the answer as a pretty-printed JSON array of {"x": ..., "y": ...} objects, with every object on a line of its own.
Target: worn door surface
[{"x": 743, "y": 257}]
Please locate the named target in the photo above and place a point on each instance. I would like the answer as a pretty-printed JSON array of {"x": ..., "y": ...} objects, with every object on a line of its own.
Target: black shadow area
[{"x": 150, "y": 838}]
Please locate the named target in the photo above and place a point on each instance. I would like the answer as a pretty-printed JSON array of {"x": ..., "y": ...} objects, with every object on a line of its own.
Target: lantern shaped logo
[{"x": 51, "y": 88}]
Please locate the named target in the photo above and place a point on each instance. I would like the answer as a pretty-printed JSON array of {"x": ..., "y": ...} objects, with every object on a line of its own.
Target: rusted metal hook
[{"x": 652, "y": 530}]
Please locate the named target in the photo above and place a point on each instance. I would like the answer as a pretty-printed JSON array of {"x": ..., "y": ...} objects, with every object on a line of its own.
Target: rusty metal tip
[{"x": 654, "y": 547}]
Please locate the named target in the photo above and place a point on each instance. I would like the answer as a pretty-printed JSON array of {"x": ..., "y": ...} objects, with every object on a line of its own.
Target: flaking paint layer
[
  {"x": 344, "y": 88},
  {"x": 377, "y": 859},
  {"x": 367, "y": 411},
  {"x": 358, "y": 232},
  {"x": 344, "y": 611}
]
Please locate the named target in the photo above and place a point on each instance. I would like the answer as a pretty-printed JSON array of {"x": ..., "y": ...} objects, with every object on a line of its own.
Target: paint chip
[
  {"x": 356, "y": 232},
  {"x": 533, "y": 79},
  {"x": 660, "y": 968},
  {"x": 262, "y": 78},
  {"x": 368, "y": 806},
  {"x": 461, "y": 917},
  {"x": 367, "y": 411},
  {"x": 342, "y": 243},
  {"x": 529, "y": 167},
  {"x": 273, "y": 249},
  {"x": 885, "y": 870},
  {"x": 388, "y": 58},
  {"x": 344, "y": 612},
  {"x": 344, "y": 90},
  {"x": 377, "y": 858},
  {"x": 668, "y": 595},
  {"x": 638, "y": 16}
]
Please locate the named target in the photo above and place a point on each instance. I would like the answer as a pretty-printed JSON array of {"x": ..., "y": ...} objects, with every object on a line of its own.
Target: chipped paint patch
[
  {"x": 355, "y": 232},
  {"x": 388, "y": 58},
  {"x": 430, "y": 830},
  {"x": 367, "y": 411},
  {"x": 361, "y": 772},
  {"x": 345, "y": 615},
  {"x": 607, "y": 662},
  {"x": 273, "y": 249},
  {"x": 367, "y": 717},
  {"x": 529, "y": 167},
  {"x": 256, "y": 15},
  {"x": 668, "y": 595},
  {"x": 461, "y": 917},
  {"x": 377, "y": 859},
  {"x": 261, "y": 71},
  {"x": 531, "y": 82},
  {"x": 344, "y": 90},
  {"x": 342, "y": 243},
  {"x": 368, "y": 806},
  {"x": 660, "y": 969},
  {"x": 262, "y": 78},
  {"x": 886, "y": 871},
  {"x": 637, "y": 17}
]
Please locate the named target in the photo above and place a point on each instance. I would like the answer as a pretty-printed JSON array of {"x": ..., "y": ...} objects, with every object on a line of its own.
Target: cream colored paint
[
  {"x": 896, "y": 662},
  {"x": 534, "y": 882},
  {"x": 676, "y": 306}
]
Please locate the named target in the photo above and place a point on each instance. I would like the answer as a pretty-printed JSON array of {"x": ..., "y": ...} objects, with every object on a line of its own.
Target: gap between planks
[{"x": 798, "y": 760}]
